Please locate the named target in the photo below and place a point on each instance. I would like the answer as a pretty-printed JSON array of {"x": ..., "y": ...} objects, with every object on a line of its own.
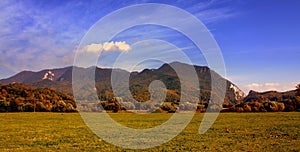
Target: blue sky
[{"x": 259, "y": 40}]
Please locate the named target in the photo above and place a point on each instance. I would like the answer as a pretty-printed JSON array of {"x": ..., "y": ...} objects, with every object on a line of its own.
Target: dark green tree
[{"x": 298, "y": 89}]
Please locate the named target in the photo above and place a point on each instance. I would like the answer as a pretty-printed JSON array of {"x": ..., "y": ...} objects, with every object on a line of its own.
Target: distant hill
[
  {"x": 27, "y": 77},
  {"x": 61, "y": 80},
  {"x": 267, "y": 96},
  {"x": 269, "y": 101}
]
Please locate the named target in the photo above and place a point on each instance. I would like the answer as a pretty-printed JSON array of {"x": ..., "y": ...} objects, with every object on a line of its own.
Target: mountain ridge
[{"x": 62, "y": 79}]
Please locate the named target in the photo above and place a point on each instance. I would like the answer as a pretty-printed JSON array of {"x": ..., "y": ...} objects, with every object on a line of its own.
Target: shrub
[
  {"x": 168, "y": 106},
  {"x": 266, "y": 106},
  {"x": 289, "y": 108},
  {"x": 201, "y": 108},
  {"x": 273, "y": 106},
  {"x": 297, "y": 102},
  {"x": 255, "y": 106},
  {"x": 298, "y": 89},
  {"x": 237, "y": 108},
  {"x": 289, "y": 105},
  {"x": 247, "y": 108}
]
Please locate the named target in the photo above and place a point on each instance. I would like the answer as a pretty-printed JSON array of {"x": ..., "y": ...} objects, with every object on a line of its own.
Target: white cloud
[
  {"x": 107, "y": 46},
  {"x": 274, "y": 86},
  {"x": 122, "y": 46},
  {"x": 254, "y": 85},
  {"x": 92, "y": 48}
]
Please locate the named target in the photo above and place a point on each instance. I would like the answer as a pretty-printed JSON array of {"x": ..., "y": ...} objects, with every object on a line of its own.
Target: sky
[{"x": 259, "y": 40}]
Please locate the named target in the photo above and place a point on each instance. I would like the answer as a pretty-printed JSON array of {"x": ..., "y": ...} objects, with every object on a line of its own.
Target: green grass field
[{"x": 67, "y": 132}]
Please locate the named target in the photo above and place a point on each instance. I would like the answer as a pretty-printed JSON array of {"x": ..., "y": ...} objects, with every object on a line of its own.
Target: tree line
[{"x": 22, "y": 98}]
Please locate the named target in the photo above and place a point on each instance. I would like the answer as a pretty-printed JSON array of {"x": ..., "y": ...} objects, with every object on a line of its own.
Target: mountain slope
[
  {"x": 61, "y": 80},
  {"x": 27, "y": 77},
  {"x": 267, "y": 96}
]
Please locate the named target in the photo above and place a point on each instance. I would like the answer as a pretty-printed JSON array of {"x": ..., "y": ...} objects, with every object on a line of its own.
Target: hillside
[
  {"x": 61, "y": 80},
  {"x": 269, "y": 101},
  {"x": 27, "y": 77},
  {"x": 235, "y": 100}
]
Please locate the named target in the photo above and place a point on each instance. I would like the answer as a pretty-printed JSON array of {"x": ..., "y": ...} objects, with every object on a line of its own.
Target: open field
[{"x": 67, "y": 132}]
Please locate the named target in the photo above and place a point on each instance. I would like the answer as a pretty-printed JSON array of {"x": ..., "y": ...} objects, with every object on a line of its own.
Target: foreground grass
[{"x": 231, "y": 132}]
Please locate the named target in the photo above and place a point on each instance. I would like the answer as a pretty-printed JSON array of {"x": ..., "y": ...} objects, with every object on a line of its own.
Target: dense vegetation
[
  {"x": 269, "y": 101},
  {"x": 23, "y": 98}
]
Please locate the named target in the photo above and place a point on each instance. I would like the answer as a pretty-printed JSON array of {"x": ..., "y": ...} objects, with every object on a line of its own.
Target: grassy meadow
[{"x": 231, "y": 132}]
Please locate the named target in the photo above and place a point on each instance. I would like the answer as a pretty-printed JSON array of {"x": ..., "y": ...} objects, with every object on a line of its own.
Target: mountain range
[{"x": 60, "y": 79}]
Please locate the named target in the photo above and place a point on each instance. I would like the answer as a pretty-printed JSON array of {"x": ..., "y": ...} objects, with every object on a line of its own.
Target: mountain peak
[
  {"x": 239, "y": 94},
  {"x": 61, "y": 79}
]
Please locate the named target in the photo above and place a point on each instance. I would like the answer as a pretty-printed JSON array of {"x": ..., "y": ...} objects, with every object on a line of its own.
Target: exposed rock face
[
  {"x": 239, "y": 94},
  {"x": 49, "y": 75}
]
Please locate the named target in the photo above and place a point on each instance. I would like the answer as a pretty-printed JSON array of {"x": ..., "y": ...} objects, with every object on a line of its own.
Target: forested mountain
[{"x": 61, "y": 80}]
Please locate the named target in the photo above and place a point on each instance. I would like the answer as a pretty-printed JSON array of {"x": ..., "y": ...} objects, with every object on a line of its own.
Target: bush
[
  {"x": 255, "y": 106},
  {"x": 201, "y": 108},
  {"x": 289, "y": 105},
  {"x": 237, "y": 108},
  {"x": 273, "y": 106},
  {"x": 280, "y": 106},
  {"x": 247, "y": 108},
  {"x": 168, "y": 106},
  {"x": 298, "y": 89}
]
